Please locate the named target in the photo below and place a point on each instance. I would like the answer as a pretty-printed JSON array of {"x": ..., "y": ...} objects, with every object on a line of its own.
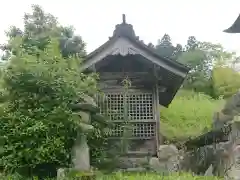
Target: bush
[
  {"x": 188, "y": 115},
  {"x": 37, "y": 126},
  {"x": 225, "y": 81}
]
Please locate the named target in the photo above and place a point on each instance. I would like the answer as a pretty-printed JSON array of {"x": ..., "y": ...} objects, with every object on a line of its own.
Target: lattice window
[
  {"x": 140, "y": 108},
  {"x": 144, "y": 130},
  {"x": 118, "y": 131},
  {"x": 112, "y": 105},
  {"x": 141, "y": 130}
]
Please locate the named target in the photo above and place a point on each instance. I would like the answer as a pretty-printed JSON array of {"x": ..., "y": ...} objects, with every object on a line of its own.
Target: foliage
[
  {"x": 165, "y": 48},
  {"x": 201, "y": 57},
  {"x": 226, "y": 81},
  {"x": 190, "y": 113},
  {"x": 198, "y": 78},
  {"x": 38, "y": 127},
  {"x": 39, "y": 27},
  {"x": 192, "y": 43},
  {"x": 102, "y": 152}
]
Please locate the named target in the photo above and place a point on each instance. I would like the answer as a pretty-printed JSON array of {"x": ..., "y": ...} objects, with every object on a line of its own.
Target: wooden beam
[{"x": 156, "y": 108}]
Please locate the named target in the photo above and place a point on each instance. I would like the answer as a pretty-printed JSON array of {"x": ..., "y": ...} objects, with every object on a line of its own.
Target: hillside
[{"x": 189, "y": 115}]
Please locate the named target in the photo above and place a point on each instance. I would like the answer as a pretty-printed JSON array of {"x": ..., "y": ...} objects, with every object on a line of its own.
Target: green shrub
[
  {"x": 38, "y": 127},
  {"x": 225, "y": 81},
  {"x": 188, "y": 115}
]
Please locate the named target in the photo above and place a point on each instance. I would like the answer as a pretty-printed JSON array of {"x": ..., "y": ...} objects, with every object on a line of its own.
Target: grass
[
  {"x": 133, "y": 176},
  {"x": 189, "y": 115}
]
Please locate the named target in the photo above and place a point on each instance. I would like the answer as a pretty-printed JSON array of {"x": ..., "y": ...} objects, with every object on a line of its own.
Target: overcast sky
[{"x": 95, "y": 20}]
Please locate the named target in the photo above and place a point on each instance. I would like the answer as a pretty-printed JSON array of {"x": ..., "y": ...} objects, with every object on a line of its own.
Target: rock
[
  {"x": 167, "y": 151},
  {"x": 224, "y": 146},
  {"x": 232, "y": 106},
  {"x": 173, "y": 164},
  {"x": 220, "y": 119},
  {"x": 199, "y": 160},
  {"x": 235, "y": 133},
  {"x": 185, "y": 161},
  {"x": 85, "y": 107},
  {"x": 155, "y": 165},
  {"x": 209, "y": 171},
  {"x": 168, "y": 159},
  {"x": 234, "y": 170},
  {"x": 169, "y": 166},
  {"x": 61, "y": 174}
]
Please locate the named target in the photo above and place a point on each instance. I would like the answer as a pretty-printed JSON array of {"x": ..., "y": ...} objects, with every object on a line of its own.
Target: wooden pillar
[{"x": 156, "y": 108}]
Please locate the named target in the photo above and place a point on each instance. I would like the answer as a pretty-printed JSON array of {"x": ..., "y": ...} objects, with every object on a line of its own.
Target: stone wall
[
  {"x": 232, "y": 163},
  {"x": 223, "y": 159}
]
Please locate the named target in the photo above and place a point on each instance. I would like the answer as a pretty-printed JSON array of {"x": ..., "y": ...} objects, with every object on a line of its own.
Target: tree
[
  {"x": 177, "y": 51},
  {"x": 37, "y": 125},
  {"x": 201, "y": 57},
  {"x": 192, "y": 43},
  {"x": 39, "y": 27},
  {"x": 165, "y": 47},
  {"x": 198, "y": 79}
]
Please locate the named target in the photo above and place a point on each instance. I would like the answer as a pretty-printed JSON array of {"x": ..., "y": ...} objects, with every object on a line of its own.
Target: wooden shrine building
[{"x": 154, "y": 80}]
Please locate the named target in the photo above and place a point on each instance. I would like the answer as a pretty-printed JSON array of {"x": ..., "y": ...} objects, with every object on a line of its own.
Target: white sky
[{"x": 95, "y": 20}]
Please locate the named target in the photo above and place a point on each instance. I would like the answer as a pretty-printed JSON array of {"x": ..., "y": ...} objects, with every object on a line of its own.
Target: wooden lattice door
[{"x": 139, "y": 112}]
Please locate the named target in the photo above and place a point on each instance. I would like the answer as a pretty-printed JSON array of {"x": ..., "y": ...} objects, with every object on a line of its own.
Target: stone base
[{"x": 62, "y": 174}]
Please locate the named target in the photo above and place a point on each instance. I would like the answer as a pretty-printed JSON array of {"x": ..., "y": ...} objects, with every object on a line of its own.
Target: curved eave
[
  {"x": 99, "y": 49},
  {"x": 235, "y": 28},
  {"x": 231, "y": 30},
  {"x": 167, "y": 99},
  {"x": 174, "y": 64}
]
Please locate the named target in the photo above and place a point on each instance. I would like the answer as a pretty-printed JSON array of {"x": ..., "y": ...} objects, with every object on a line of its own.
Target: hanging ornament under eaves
[{"x": 235, "y": 28}]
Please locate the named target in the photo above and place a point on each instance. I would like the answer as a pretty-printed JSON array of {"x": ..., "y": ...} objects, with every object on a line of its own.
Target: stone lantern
[{"x": 87, "y": 111}]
